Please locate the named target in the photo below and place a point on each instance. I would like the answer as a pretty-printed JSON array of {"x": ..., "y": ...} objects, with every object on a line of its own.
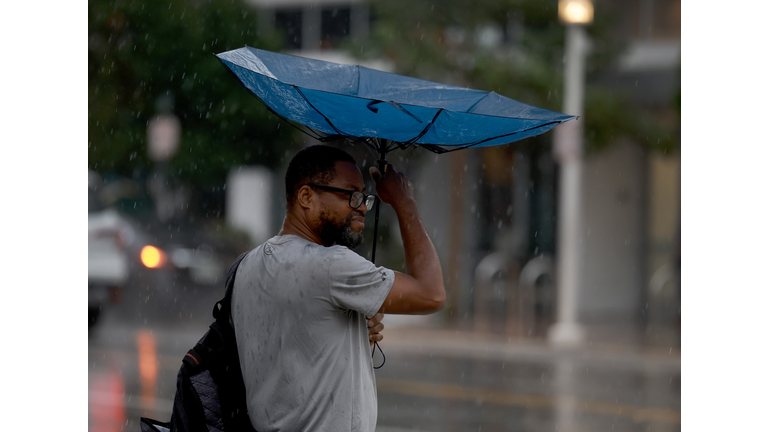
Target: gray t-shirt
[{"x": 299, "y": 311}]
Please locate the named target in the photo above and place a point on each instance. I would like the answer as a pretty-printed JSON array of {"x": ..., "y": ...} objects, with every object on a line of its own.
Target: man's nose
[{"x": 362, "y": 209}]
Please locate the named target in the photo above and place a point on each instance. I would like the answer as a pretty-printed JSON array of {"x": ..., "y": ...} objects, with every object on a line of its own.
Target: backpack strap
[{"x": 222, "y": 308}]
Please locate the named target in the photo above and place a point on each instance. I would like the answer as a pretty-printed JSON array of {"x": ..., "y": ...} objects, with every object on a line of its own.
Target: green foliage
[
  {"x": 440, "y": 41},
  {"x": 141, "y": 52}
]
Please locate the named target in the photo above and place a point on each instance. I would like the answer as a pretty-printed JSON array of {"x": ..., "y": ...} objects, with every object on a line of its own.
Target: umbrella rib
[
  {"x": 469, "y": 110},
  {"x": 318, "y": 111},
  {"x": 429, "y": 125},
  {"x": 320, "y": 136},
  {"x": 317, "y": 135},
  {"x": 371, "y": 148},
  {"x": 357, "y": 90},
  {"x": 440, "y": 150}
]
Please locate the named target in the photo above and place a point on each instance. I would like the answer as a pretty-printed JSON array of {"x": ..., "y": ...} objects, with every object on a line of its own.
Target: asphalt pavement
[{"x": 434, "y": 379}]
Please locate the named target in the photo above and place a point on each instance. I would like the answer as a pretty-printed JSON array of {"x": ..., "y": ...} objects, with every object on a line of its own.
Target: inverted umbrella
[{"x": 385, "y": 111}]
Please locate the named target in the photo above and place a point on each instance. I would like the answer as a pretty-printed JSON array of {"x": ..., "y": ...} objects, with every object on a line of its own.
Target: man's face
[{"x": 338, "y": 223}]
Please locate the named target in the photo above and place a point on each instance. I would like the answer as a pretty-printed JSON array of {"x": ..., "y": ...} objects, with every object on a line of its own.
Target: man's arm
[{"x": 420, "y": 289}]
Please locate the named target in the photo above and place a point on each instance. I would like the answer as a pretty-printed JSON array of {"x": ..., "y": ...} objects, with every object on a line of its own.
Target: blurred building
[
  {"x": 496, "y": 227},
  {"x": 315, "y": 29},
  {"x": 632, "y": 196},
  {"x": 631, "y": 203}
]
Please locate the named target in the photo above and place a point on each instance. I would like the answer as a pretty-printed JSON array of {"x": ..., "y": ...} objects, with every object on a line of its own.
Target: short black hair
[{"x": 314, "y": 164}]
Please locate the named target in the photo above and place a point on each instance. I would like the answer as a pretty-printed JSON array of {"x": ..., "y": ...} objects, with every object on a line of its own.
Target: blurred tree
[
  {"x": 146, "y": 57},
  {"x": 512, "y": 47}
]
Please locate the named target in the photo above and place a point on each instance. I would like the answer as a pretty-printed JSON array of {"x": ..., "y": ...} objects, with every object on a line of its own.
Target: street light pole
[
  {"x": 163, "y": 134},
  {"x": 568, "y": 151}
]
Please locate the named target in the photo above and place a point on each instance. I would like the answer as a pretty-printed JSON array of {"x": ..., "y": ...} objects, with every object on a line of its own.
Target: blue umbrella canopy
[
  {"x": 384, "y": 110},
  {"x": 335, "y": 100}
]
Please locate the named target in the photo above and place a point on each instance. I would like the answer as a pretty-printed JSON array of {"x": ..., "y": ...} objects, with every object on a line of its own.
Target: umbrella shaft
[
  {"x": 375, "y": 234},
  {"x": 382, "y": 163}
]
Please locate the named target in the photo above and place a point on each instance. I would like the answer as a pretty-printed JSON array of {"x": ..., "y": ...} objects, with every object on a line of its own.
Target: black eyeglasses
[{"x": 356, "y": 198}]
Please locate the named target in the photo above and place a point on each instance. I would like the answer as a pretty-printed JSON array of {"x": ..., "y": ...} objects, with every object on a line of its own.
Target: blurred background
[{"x": 185, "y": 172}]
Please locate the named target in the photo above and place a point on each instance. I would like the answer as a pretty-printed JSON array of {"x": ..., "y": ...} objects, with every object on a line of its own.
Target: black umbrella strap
[{"x": 383, "y": 357}]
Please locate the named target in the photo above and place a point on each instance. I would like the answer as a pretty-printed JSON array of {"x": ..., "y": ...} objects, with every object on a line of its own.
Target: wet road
[{"x": 430, "y": 382}]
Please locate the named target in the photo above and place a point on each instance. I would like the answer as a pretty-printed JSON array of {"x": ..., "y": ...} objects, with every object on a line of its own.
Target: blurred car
[
  {"x": 109, "y": 236},
  {"x": 200, "y": 264},
  {"x": 130, "y": 249}
]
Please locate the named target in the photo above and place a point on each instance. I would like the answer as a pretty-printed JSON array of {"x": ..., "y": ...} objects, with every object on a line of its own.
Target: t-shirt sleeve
[{"x": 357, "y": 284}]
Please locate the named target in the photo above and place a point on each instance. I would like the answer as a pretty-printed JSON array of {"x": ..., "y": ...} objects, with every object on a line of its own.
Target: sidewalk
[{"x": 616, "y": 346}]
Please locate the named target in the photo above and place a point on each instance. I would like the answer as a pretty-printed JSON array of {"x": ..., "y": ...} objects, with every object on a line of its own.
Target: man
[{"x": 301, "y": 299}]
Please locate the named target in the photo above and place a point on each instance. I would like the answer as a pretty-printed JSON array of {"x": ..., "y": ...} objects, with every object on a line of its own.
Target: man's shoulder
[
  {"x": 290, "y": 241},
  {"x": 290, "y": 249}
]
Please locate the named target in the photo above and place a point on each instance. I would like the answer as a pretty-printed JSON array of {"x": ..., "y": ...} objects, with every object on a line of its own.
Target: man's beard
[{"x": 340, "y": 233}]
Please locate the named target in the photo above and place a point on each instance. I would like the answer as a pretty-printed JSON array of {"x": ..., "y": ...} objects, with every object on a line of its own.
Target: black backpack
[{"x": 210, "y": 393}]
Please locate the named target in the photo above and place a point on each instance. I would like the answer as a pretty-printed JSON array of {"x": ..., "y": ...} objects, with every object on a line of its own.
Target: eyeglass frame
[{"x": 350, "y": 192}]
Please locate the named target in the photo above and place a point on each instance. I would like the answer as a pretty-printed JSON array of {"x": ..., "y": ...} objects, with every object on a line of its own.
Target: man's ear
[{"x": 305, "y": 196}]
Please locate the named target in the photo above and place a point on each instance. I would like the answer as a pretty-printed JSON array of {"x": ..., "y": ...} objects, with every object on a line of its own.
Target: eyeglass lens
[
  {"x": 369, "y": 201},
  {"x": 357, "y": 198}
]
